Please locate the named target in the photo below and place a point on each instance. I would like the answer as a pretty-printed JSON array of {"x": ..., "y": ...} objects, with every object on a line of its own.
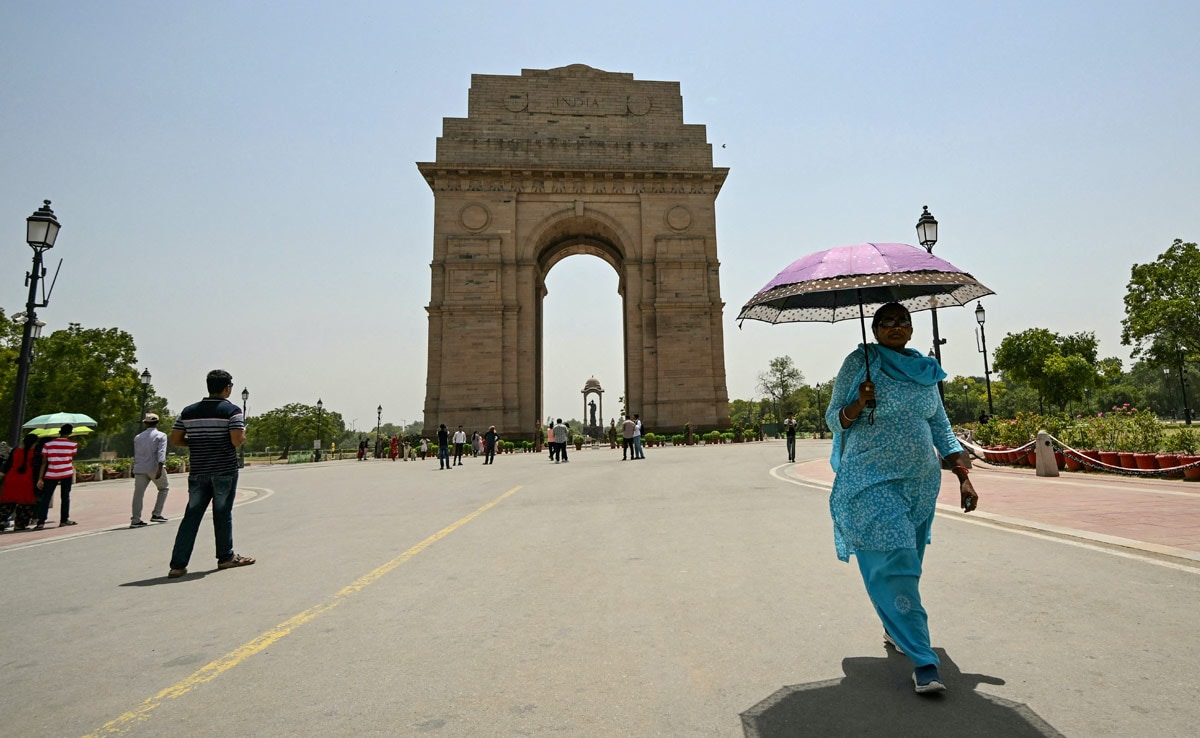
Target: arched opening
[
  {"x": 582, "y": 337},
  {"x": 581, "y": 314}
]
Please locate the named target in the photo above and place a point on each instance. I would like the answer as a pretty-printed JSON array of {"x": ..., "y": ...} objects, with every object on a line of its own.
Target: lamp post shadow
[{"x": 876, "y": 698}]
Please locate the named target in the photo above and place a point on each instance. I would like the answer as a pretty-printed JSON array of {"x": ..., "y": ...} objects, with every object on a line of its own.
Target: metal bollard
[{"x": 1044, "y": 452}]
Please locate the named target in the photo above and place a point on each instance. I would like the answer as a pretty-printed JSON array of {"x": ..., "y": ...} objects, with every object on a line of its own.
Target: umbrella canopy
[
  {"x": 844, "y": 282},
  {"x": 57, "y": 420},
  {"x": 80, "y": 430}
]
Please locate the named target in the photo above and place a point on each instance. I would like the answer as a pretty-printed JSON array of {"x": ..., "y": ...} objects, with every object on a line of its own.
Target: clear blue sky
[{"x": 237, "y": 186}]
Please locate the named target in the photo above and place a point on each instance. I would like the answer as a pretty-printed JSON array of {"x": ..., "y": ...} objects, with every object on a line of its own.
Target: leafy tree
[
  {"x": 1161, "y": 301},
  {"x": 293, "y": 426},
  {"x": 85, "y": 370},
  {"x": 1060, "y": 369},
  {"x": 779, "y": 381}
]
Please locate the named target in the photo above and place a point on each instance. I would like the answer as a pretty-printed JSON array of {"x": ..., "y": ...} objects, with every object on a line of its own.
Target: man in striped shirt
[
  {"x": 212, "y": 429},
  {"x": 58, "y": 470}
]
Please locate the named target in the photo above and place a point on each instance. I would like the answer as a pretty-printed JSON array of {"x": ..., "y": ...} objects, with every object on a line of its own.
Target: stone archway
[{"x": 551, "y": 164}]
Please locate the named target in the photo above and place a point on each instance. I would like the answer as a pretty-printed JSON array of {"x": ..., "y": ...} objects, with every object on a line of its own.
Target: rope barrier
[{"x": 1077, "y": 456}]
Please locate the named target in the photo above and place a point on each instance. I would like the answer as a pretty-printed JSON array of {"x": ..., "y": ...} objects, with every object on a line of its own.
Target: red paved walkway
[{"x": 1159, "y": 516}]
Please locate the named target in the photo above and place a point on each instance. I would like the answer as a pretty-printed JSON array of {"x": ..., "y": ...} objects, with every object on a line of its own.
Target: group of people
[
  {"x": 31, "y": 473},
  {"x": 484, "y": 444},
  {"x": 631, "y": 439},
  {"x": 556, "y": 438}
]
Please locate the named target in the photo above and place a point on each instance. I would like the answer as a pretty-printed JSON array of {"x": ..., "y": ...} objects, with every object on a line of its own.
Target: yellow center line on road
[{"x": 211, "y": 671}]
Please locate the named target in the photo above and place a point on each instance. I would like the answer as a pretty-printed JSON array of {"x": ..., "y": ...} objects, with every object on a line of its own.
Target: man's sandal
[{"x": 235, "y": 561}]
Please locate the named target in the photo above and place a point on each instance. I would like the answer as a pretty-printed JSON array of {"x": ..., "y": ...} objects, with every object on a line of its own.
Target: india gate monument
[{"x": 554, "y": 163}]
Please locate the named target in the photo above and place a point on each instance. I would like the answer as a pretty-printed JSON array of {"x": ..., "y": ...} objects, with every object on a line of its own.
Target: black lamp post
[
  {"x": 242, "y": 448},
  {"x": 378, "y": 423},
  {"x": 980, "y": 316},
  {"x": 41, "y": 230},
  {"x": 317, "y": 450},
  {"x": 927, "y": 236},
  {"x": 145, "y": 390},
  {"x": 1187, "y": 410}
]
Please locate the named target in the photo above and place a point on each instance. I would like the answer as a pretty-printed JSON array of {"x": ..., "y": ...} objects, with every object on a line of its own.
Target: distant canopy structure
[{"x": 592, "y": 420}]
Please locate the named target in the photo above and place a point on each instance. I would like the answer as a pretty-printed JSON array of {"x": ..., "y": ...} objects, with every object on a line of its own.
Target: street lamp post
[
  {"x": 378, "y": 423},
  {"x": 317, "y": 445},
  {"x": 927, "y": 236},
  {"x": 145, "y": 389},
  {"x": 242, "y": 448},
  {"x": 980, "y": 315},
  {"x": 41, "y": 230},
  {"x": 1187, "y": 410}
]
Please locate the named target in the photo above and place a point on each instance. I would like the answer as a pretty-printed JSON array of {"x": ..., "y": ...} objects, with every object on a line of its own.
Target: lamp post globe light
[
  {"x": 145, "y": 378},
  {"x": 927, "y": 236},
  {"x": 980, "y": 316},
  {"x": 317, "y": 443},
  {"x": 378, "y": 423},
  {"x": 41, "y": 231}
]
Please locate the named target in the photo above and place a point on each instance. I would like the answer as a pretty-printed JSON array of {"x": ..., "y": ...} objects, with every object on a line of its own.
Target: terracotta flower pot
[
  {"x": 1072, "y": 463},
  {"x": 1092, "y": 455},
  {"x": 1112, "y": 458},
  {"x": 1127, "y": 460},
  {"x": 1168, "y": 461},
  {"x": 1146, "y": 461},
  {"x": 1060, "y": 459},
  {"x": 1030, "y": 459},
  {"x": 1190, "y": 474}
]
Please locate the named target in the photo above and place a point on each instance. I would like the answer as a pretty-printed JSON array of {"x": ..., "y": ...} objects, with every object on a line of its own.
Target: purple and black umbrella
[{"x": 844, "y": 282}]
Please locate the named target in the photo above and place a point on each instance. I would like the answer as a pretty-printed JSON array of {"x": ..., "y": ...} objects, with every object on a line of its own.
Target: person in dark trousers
[
  {"x": 789, "y": 430},
  {"x": 560, "y": 439},
  {"x": 460, "y": 440},
  {"x": 212, "y": 429},
  {"x": 489, "y": 444},
  {"x": 443, "y": 447},
  {"x": 627, "y": 428}
]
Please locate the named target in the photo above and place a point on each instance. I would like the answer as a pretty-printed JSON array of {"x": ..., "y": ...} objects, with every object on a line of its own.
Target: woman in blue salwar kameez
[{"x": 889, "y": 473}]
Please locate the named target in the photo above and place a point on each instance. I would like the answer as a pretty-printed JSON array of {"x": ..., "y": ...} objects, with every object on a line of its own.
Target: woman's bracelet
[{"x": 843, "y": 414}]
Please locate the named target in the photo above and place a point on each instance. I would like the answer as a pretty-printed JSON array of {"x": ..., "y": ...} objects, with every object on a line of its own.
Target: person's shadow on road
[
  {"x": 164, "y": 579},
  {"x": 876, "y": 698}
]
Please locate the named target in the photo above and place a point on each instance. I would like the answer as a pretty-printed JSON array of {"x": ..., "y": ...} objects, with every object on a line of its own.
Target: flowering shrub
[{"x": 1124, "y": 428}]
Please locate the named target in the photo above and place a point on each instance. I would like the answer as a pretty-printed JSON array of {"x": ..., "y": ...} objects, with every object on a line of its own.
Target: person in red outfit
[{"x": 17, "y": 496}]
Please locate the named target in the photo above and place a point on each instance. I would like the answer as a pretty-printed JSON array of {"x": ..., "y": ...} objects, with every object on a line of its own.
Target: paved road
[{"x": 694, "y": 594}]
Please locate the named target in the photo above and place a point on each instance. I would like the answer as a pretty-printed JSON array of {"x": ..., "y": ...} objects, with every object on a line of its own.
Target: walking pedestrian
[
  {"x": 789, "y": 430},
  {"x": 490, "y": 438},
  {"x": 560, "y": 440},
  {"x": 149, "y": 465},
  {"x": 460, "y": 440},
  {"x": 443, "y": 447},
  {"x": 889, "y": 476},
  {"x": 627, "y": 428},
  {"x": 393, "y": 448},
  {"x": 212, "y": 429},
  {"x": 58, "y": 470},
  {"x": 18, "y": 496}
]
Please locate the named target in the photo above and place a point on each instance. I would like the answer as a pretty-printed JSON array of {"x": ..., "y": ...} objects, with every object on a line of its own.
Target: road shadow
[
  {"x": 191, "y": 575},
  {"x": 876, "y": 697}
]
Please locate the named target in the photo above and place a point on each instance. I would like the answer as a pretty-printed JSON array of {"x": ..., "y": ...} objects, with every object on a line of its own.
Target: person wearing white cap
[{"x": 149, "y": 465}]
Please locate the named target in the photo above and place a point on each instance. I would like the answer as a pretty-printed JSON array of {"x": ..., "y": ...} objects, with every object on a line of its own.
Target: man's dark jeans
[
  {"x": 791, "y": 447},
  {"x": 45, "y": 494},
  {"x": 202, "y": 489}
]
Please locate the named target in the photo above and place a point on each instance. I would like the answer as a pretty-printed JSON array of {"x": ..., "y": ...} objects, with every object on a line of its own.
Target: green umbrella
[{"x": 57, "y": 420}]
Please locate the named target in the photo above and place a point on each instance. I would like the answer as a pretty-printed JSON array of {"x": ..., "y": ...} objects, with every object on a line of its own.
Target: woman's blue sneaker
[{"x": 927, "y": 681}]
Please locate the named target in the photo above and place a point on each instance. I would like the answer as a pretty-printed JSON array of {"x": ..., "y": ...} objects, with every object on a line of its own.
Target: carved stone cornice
[{"x": 443, "y": 178}]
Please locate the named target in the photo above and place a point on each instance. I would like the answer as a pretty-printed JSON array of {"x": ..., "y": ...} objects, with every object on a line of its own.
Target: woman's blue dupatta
[{"x": 907, "y": 366}]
